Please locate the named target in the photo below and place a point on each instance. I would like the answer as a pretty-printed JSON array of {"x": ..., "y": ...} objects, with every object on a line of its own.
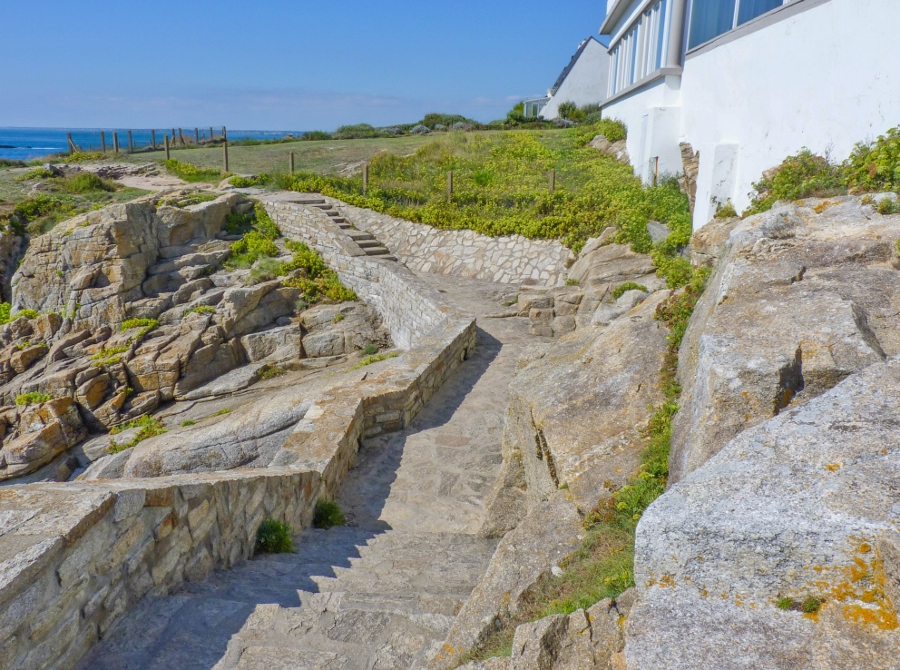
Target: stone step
[
  {"x": 340, "y": 219},
  {"x": 345, "y": 226},
  {"x": 368, "y": 243},
  {"x": 321, "y": 204}
]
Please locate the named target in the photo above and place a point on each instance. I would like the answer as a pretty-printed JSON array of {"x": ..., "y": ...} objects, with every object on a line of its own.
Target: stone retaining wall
[
  {"x": 511, "y": 259},
  {"x": 75, "y": 557}
]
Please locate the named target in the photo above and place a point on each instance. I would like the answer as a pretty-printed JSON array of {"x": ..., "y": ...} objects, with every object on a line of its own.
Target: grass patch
[
  {"x": 370, "y": 349},
  {"x": 369, "y": 360},
  {"x": 271, "y": 372},
  {"x": 84, "y": 156},
  {"x": 187, "y": 200},
  {"x": 222, "y": 412},
  {"x": 274, "y": 537},
  {"x": 620, "y": 290},
  {"x": 86, "y": 182},
  {"x": 249, "y": 182},
  {"x": 201, "y": 309},
  {"x": 110, "y": 355},
  {"x": 146, "y": 325},
  {"x": 149, "y": 426},
  {"x": 33, "y": 398},
  {"x": 187, "y": 422},
  {"x": 328, "y": 515},
  {"x": 192, "y": 173}
]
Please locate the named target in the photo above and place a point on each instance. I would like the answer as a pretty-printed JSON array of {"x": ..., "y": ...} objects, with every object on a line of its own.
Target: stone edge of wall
[
  {"x": 76, "y": 557},
  {"x": 510, "y": 259}
]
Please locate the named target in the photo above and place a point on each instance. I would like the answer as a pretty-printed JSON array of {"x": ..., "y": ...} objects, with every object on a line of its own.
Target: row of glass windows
[
  {"x": 642, "y": 50},
  {"x": 711, "y": 18}
]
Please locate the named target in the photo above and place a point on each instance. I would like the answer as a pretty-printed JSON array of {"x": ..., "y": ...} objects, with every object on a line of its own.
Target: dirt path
[{"x": 381, "y": 592}]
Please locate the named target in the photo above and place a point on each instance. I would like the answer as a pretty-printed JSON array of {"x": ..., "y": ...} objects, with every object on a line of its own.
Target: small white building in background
[
  {"x": 584, "y": 81},
  {"x": 746, "y": 83}
]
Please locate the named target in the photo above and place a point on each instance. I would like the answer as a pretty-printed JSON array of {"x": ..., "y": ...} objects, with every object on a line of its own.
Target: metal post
[
  {"x": 292, "y": 162},
  {"x": 153, "y": 139},
  {"x": 130, "y": 143},
  {"x": 115, "y": 141},
  {"x": 225, "y": 147},
  {"x": 103, "y": 141},
  {"x": 167, "y": 146}
]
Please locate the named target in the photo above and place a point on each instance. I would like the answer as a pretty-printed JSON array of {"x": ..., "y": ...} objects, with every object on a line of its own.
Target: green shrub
[
  {"x": 805, "y": 175},
  {"x": 887, "y": 206},
  {"x": 875, "y": 167},
  {"x": 785, "y": 604},
  {"x": 274, "y": 537},
  {"x": 37, "y": 173},
  {"x": 811, "y": 605},
  {"x": 263, "y": 223},
  {"x": 620, "y": 290},
  {"x": 7, "y": 163},
  {"x": 84, "y": 156},
  {"x": 5, "y": 312},
  {"x": 327, "y": 515},
  {"x": 571, "y": 282},
  {"x": 33, "y": 398},
  {"x": 265, "y": 269},
  {"x": 111, "y": 355},
  {"x": 149, "y": 426},
  {"x": 271, "y": 372},
  {"x": 27, "y": 313},
  {"x": 249, "y": 182},
  {"x": 86, "y": 182},
  {"x": 188, "y": 422},
  {"x": 370, "y": 349},
  {"x": 251, "y": 248},
  {"x": 192, "y": 173},
  {"x": 36, "y": 207},
  {"x": 726, "y": 211},
  {"x": 238, "y": 224}
]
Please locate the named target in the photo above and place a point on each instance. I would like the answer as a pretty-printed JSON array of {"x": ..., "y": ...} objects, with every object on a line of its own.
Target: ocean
[{"x": 29, "y": 143}]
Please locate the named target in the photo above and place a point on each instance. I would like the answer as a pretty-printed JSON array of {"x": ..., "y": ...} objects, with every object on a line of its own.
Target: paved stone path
[{"x": 381, "y": 592}]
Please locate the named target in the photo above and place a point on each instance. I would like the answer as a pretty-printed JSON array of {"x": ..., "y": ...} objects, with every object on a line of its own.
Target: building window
[
  {"x": 711, "y": 18},
  {"x": 641, "y": 51}
]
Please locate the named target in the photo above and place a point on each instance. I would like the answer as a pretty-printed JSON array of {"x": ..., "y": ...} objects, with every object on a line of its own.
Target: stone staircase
[{"x": 366, "y": 241}]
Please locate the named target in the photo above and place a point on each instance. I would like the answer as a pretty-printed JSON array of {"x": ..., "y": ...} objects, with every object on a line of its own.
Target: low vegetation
[
  {"x": 328, "y": 515},
  {"x": 33, "y": 398},
  {"x": 872, "y": 167},
  {"x": 149, "y": 427},
  {"x": 620, "y": 290},
  {"x": 201, "y": 309},
  {"x": 274, "y": 537},
  {"x": 377, "y": 358},
  {"x": 192, "y": 173},
  {"x": 146, "y": 325}
]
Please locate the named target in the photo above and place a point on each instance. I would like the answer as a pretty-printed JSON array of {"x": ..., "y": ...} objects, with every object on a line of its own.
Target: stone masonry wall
[
  {"x": 511, "y": 259},
  {"x": 75, "y": 557}
]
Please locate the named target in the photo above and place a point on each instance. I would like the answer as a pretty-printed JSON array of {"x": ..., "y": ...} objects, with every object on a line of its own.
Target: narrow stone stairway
[
  {"x": 366, "y": 241},
  {"x": 381, "y": 592}
]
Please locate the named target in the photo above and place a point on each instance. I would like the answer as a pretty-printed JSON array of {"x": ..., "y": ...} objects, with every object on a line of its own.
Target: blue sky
[{"x": 277, "y": 64}]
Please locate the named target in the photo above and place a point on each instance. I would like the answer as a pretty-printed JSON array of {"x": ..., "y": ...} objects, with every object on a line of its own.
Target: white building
[
  {"x": 583, "y": 81},
  {"x": 747, "y": 83}
]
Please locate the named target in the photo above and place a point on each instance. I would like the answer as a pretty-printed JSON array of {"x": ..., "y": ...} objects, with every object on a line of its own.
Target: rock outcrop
[
  {"x": 138, "y": 310},
  {"x": 804, "y": 296},
  {"x": 799, "y": 511}
]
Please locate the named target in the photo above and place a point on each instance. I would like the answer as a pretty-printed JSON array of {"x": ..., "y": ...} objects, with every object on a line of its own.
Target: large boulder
[
  {"x": 801, "y": 509},
  {"x": 44, "y": 432},
  {"x": 803, "y": 297},
  {"x": 577, "y": 414}
]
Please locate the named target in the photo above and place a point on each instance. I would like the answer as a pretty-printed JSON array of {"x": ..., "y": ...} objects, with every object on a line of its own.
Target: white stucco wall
[
  {"x": 586, "y": 83},
  {"x": 823, "y": 78},
  {"x": 653, "y": 118}
]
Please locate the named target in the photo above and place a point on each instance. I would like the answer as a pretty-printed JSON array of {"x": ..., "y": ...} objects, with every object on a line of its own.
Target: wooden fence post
[
  {"x": 365, "y": 179},
  {"x": 225, "y": 147},
  {"x": 153, "y": 139},
  {"x": 167, "y": 146},
  {"x": 211, "y": 136},
  {"x": 116, "y": 141},
  {"x": 72, "y": 147},
  {"x": 224, "y": 134},
  {"x": 197, "y": 136},
  {"x": 450, "y": 186},
  {"x": 552, "y": 180},
  {"x": 292, "y": 162},
  {"x": 130, "y": 143},
  {"x": 181, "y": 137},
  {"x": 103, "y": 141}
]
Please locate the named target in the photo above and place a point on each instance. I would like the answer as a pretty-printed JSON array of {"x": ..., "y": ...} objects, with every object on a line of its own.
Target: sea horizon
[{"x": 29, "y": 143}]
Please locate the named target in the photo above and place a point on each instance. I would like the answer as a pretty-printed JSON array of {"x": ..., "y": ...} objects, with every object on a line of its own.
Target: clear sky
[{"x": 279, "y": 64}]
